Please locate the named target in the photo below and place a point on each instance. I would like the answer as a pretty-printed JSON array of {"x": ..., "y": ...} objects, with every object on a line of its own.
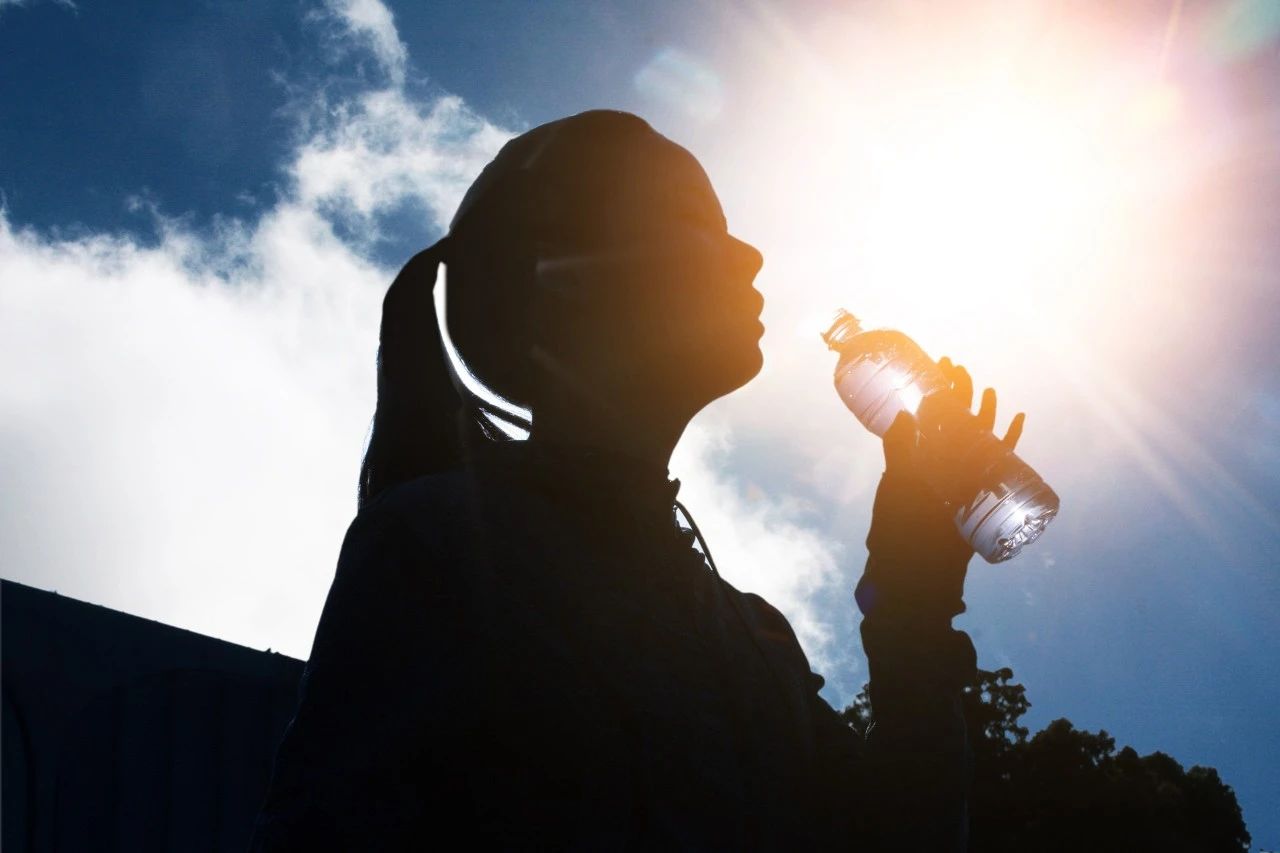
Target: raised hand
[
  {"x": 912, "y": 526},
  {"x": 902, "y": 438},
  {"x": 962, "y": 392}
]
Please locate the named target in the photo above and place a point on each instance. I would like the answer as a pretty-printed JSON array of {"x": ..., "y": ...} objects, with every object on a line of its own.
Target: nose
[{"x": 746, "y": 256}]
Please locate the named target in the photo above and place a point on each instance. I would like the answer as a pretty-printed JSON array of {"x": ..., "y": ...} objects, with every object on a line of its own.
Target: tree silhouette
[{"x": 1065, "y": 789}]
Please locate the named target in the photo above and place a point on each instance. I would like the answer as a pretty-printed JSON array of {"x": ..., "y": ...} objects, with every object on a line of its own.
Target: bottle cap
[{"x": 843, "y": 327}]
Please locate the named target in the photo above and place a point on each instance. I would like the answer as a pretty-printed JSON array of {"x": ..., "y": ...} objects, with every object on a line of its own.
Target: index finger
[{"x": 962, "y": 386}]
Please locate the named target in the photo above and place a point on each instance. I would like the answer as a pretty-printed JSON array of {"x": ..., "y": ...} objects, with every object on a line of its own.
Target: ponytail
[{"x": 415, "y": 426}]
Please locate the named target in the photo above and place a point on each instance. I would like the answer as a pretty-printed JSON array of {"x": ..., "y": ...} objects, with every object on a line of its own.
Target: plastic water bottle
[{"x": 1001, "y": 504}]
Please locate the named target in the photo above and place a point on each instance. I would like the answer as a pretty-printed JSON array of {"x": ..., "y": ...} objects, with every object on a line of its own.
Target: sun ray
[{"x": 1038, "y": 194}]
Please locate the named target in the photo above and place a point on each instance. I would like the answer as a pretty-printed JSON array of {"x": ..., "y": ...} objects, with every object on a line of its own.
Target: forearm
[{"x": 917, "y": 750}]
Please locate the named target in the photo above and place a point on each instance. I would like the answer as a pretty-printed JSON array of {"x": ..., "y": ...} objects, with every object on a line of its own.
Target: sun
[
  {"x": 974, "y": 178},
  {"x": 1026, "y": 188},
  {"x": 986, "y": 210}
]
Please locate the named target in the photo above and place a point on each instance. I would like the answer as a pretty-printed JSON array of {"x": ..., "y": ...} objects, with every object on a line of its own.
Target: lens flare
[{"x": 1035, "y": 190}]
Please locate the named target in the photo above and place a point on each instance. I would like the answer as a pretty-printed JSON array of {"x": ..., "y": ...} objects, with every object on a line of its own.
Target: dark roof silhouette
[{"x": 121, "y": 733}]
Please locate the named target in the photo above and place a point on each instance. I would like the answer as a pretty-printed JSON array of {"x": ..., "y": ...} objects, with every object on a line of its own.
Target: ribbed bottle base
[{"x": 999, "y": 529}]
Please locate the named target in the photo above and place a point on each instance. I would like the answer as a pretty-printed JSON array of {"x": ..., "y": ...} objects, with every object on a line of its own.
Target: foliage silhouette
[{"x": 1068, "y": 789}]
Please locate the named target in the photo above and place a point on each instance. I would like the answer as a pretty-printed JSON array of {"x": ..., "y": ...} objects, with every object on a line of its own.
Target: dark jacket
[{"x": 528, "y": 653}]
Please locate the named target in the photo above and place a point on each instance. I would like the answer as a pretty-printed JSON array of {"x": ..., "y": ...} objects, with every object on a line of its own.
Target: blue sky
[{"x": 202, "y": 205}]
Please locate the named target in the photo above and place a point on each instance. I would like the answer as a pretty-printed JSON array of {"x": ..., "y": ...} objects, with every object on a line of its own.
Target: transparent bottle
[{"x": 1001, "y": 504}]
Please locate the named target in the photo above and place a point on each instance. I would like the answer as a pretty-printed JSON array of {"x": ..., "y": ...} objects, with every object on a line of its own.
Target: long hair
[{"x": 414, "y": 423}]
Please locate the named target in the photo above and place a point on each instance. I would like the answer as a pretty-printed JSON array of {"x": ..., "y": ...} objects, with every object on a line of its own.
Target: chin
[
  {"x": 746, "y": 368},
  {"x": 757, "y": 362},
  {"x": 710, "y": 375}
]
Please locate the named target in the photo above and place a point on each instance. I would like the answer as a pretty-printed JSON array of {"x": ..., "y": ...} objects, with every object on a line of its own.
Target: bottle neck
[{"x": 843, "y": 327}]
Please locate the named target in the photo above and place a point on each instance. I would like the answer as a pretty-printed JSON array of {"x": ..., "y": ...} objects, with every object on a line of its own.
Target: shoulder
[
  {"x": 779, "y": 644},
  {"x": 769, "y": 625},
  {"x": 401, "y": 528},
  {"x": 401, "y": 556},
  {"x": 762, "y": 615}
]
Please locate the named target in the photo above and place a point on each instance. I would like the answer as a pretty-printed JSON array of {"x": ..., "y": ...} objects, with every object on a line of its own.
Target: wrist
[
  {"x": 920, "y": 594},
  {"x": 909, "y": 521}
]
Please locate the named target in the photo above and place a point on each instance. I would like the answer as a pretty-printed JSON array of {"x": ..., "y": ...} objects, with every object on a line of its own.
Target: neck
[
  {"x": 643, "y": 424},
  {"x": 647, "y": 434},
  {"x": 647, "y": 441}
]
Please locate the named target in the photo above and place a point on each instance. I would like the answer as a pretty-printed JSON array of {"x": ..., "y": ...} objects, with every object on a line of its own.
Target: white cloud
[
  {"x": 66, "y": 4},
  {"x": 369, "y": 24},
  {"x": 182, "y": 422},
  {"x": 169, "y": 417},
  {"x": 383, "y": 149}
]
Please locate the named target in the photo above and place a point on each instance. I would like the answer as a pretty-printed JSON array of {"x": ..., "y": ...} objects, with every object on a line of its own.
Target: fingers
[
  {"x": 1015, "y": 430},
  {"x": 962, "y": 389},
  {"x": 900, "y": 443},
  {"x": 987, "y": 410},
  {"x": 961, "y": 383}
]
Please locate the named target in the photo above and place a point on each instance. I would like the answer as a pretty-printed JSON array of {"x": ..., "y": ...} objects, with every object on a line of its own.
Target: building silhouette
[{"x": 124, "y": 734}]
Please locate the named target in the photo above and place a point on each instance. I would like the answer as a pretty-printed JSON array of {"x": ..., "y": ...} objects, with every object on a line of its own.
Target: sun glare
[
  {"x": 997, "y": 179},
  {"x": 1029, "y": 188},
  {"x": 992, "y": 175},
  {"x": 985, "y": 209}
]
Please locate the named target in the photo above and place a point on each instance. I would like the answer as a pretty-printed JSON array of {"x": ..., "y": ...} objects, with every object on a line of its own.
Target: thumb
[{"x": 900, "y": 443}]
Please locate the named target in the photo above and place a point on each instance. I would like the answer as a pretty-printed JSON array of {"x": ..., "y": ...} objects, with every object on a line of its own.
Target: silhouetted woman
[{"x": 521, "y": 648}]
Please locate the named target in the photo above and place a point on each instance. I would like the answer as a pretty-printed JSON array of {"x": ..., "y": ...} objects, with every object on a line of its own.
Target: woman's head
[
  {"x": 599, "y": 244},
  {"x": 588, "y": 266}
]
